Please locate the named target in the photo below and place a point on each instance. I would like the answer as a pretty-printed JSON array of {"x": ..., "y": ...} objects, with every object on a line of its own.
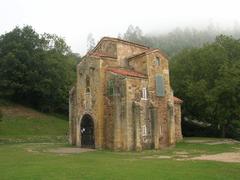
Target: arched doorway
[{"x": 87, "y": 132}]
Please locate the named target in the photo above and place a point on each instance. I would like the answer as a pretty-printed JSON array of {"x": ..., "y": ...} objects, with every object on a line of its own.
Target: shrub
[{"x": 1, "y": 115}]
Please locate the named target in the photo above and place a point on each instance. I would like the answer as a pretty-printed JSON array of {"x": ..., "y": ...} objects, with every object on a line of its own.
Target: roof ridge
[
  {"x": 118, "y": 39},
  {"x": 126, "y": 41},
  {"x": 147, "y": 52}
]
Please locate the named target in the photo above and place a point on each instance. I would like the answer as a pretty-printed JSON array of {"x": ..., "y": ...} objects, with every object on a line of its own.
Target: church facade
[{"x": 123, "y": 100}]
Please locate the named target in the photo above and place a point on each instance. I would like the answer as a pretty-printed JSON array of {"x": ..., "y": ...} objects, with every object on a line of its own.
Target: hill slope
[{"x": 22, "y": 124}]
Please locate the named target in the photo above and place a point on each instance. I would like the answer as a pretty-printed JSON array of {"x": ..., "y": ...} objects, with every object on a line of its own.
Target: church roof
[
  {"x": 126, "y": 72},
  {"x": 147, "y": 52},
  {"x": 177, "y": 100},
  {"x": 120, "y": 40}
]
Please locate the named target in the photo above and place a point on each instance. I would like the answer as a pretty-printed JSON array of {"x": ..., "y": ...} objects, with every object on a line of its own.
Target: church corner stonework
[{"x": 123, "y": 100}]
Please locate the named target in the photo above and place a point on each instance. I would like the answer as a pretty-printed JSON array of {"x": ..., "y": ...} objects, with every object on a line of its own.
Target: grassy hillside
[{"x": 22, "y": 124}]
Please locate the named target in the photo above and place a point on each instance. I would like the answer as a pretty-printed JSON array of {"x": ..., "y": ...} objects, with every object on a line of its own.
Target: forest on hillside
[{"x": 38, "y": 70}]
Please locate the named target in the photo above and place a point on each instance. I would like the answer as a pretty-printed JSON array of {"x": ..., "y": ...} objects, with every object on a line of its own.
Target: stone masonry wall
[
  {"x": 178, "y": 127},
  {"x": 125, "y": 121}
]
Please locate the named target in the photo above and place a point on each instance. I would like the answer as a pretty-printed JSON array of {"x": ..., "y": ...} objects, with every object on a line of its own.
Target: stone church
[{"x": 123, "y": 100}]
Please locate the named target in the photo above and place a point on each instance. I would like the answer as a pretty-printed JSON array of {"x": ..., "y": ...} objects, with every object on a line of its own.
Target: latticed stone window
[
  {"x": 110, "y": 88},
  {"x": 144, "y": 130}
]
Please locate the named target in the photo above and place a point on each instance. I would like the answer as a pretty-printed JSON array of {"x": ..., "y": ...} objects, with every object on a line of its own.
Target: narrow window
[
  {"x": 144, "y": 93},
  {"x": 157, "y": 61},
  {"x": 160, "y": 90},
  {"x": 87, "y": 84},
  {"x": 144, "y": 130}
]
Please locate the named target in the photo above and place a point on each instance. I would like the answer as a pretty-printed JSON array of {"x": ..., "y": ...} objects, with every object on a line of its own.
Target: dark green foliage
[
  {"x": 208, "y": 80},
  {"x": 1, "y": 115},
  {"x": 37, "y": 70}
]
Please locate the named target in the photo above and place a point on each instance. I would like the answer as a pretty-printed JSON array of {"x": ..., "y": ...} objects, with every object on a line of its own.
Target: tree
[
  {"x": 1, "y": 115},
  {"x": 35, "y": 69},
  {"x": 90, "y": 42},
  {"x": 208, "y": 79},
  {"x": 133, "y": 34}
]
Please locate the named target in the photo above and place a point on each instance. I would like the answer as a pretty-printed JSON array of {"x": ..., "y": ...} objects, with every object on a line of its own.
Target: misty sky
[{"x": 75, "y": 19}]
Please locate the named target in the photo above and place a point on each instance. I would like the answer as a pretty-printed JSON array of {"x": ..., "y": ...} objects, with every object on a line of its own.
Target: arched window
[
  {"x": 157, "y": 61},
  {"x": 87, "y": 84}
]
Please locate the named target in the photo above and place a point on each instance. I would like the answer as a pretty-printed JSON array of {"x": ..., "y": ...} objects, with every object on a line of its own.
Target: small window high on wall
[
  {"x": 157, "y": 61},
  {"x": 160, "y": 90},
  {"x": 87, "y": 84},
  {"x": 144, "y": 93}
]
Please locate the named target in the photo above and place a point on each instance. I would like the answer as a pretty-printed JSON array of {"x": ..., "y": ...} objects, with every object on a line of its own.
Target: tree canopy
[
  {"x": 37, "y": 70},
  {"x": 208, "y": 80}
]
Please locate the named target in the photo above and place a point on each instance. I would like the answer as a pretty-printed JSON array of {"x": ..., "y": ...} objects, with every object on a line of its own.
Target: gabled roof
[
  {"x": 149, "y": 51},
  {"x": 120, "y": 40},
  {"x": 126, "y": 72},
  {"x": 177, "y": 100}
]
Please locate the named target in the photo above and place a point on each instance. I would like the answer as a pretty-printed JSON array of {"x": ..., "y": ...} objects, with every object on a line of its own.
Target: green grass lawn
[
  {"x": 26, "y": 138},
  {"x": 17, "y": 162}
]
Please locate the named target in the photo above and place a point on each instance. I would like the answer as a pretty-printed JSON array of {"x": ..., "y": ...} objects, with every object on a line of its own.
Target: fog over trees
[{"x": 180, "y": 38}]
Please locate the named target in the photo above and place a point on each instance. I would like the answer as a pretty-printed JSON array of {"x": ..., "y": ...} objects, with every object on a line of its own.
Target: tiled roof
[
  {"x": 126, "y": 72},
  {"x": 177, "y": 100}
]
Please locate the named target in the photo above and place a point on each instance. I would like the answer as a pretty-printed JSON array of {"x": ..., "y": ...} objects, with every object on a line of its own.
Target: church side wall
[
  {"x": 88, "y": 98},
  {"x": 178, "y": 127},
  {"x": 163, "y": 103}
]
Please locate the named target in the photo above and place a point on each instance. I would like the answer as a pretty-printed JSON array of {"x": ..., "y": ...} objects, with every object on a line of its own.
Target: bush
[{"x": 1, "y": 115}]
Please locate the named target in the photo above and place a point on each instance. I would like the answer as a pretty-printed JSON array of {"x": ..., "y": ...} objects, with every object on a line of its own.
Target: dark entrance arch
[{"x": 87, "y": 132}]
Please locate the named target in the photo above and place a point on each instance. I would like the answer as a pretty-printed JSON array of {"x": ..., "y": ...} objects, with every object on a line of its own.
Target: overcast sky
[{"x": 75, "y": 19}]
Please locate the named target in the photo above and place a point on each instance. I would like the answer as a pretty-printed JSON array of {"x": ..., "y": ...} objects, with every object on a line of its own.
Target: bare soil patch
[
  {"x": 224, "y": 141},
  {"x": 70, "y": 150},
  {"x": 223, "y": 157},
  {"x": 181, "y": 153},
  {"x": 212, "y": 142},
  {"x": 157, "y": 157}
]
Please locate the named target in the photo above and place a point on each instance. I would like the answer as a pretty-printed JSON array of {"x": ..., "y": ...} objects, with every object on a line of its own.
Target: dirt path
[
  {"x": 223, "y": 157},
  {"x": 212, "y": 141},
  {"x": 70, "y": 150}
]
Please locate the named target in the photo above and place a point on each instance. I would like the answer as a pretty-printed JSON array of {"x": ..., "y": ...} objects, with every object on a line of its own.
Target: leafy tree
[
  {"x": 208, "y": 79},
  {"x": 37, "y": 70},
  {"x": 1, "y": 114},
  {"x": 133, "y": 34},
  {"x": 90, "y": 42}
]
